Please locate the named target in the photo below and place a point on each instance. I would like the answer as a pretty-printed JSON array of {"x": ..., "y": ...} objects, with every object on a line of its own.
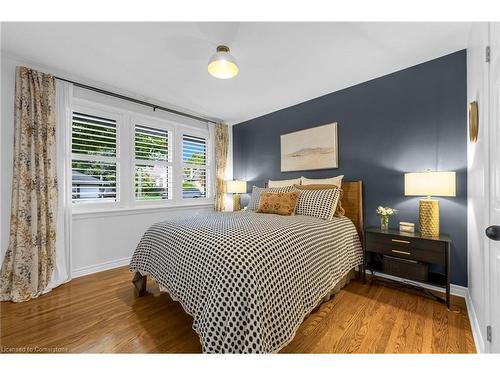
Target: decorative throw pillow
[
  {"x": 278, "y": 203},
  {"x": 339, "y": 210},
  {"x": 319, "y": 203},
  {"x": 281, "y": 183},
  {"x": 321, "y": 181},
  {"x": 254, "y": 199}
]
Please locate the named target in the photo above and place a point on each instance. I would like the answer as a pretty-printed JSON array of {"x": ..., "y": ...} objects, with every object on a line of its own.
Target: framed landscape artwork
[{"x": 310, "y": 149}]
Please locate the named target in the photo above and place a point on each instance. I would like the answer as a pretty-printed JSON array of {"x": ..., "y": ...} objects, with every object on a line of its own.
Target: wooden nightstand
[{"x": 409, "y": 256}]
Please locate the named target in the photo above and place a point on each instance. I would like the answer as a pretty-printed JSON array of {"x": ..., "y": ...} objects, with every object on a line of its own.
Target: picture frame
[{"x": 310, "y": 149}]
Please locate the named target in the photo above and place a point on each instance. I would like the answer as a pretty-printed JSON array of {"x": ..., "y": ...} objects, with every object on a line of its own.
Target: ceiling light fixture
[{"x": 222, "y": 64}]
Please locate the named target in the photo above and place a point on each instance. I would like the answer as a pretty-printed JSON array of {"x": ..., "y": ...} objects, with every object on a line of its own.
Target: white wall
[
  {"x": 107, "y": 240},
  {"x": 477, "y": 169},
  {"x": 100, "y": 240}
]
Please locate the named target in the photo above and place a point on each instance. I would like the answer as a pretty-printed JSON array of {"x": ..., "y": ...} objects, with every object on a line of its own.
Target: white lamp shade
[
  {"x": 236, "y": 187},
  {"x": 430, "y": 183},
  {"x": 223, "y": 65}
]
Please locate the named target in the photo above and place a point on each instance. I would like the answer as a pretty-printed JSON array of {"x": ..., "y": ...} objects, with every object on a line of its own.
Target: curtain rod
[{"x": 137, "y": 101}]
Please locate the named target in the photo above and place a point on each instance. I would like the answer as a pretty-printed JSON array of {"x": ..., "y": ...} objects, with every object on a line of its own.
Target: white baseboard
[
  {"x": 455, "y": 290},
  {"x": 100, "y": 267},
  {"x": 474, "y": 325}
]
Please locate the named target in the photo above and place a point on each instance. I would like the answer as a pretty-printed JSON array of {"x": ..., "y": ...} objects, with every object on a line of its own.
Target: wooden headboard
[{"x": 352, "y": 202}]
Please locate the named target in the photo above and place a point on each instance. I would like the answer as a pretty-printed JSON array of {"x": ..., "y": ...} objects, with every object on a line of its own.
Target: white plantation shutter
[
  {"x": 93, "y": 135},
  {"x": 94, "y": 165},
  {"x": 151, "y": 144},
  {"x": 120, "y": 160},
  {"x": 194, "y": 160},
  {"x": 153, "y": 168}
]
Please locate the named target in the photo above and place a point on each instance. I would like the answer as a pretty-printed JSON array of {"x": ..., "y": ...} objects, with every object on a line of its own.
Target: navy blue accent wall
[{"x": 411, "y": 120}]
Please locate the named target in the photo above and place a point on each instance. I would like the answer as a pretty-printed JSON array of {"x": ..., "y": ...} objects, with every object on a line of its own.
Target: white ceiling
[{"x": 281, "y": 64}]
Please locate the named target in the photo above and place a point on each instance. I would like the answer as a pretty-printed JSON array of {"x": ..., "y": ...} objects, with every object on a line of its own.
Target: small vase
[{"x": 384, "y": 223}]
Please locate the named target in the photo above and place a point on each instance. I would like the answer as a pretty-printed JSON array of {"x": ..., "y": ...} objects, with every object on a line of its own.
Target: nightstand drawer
[
  {"x": 405, "y": 268},
  {"x": 406, "y": 247}
]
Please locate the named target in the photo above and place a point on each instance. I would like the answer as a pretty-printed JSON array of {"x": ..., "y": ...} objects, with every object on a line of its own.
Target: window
[
  {"x": 94, "y": 164},
  {"x": 194, "y": 164},
  {"x": 124, "y": 160},
  {"x": 153, "y": 169}
]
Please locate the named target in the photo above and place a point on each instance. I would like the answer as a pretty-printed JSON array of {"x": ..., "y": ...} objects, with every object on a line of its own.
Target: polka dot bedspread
[{"x": 248, "y": 279}]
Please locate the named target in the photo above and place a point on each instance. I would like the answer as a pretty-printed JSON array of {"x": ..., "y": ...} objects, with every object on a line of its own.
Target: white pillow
[
  {"x": 323, "y": 181},
  {"x": 282, "y": 183}
]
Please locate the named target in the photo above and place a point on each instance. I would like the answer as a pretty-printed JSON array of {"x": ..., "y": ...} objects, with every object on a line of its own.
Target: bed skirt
[{"x": 342, "y": 283}]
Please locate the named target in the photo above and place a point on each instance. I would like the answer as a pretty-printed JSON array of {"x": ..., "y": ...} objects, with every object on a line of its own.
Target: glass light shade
[
  {"x": 222, "y": 64},
  {"x": 236, "y": 187},
  {"x": 430, "y": 183}
]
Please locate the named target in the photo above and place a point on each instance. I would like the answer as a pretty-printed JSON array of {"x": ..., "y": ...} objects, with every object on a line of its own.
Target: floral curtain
[
  {"x": 29, "y": 260},
  {"x": 221, "y": 148}
]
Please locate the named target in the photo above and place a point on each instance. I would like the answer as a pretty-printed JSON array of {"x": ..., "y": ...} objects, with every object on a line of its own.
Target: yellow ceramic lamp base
[
  {"x": 429, "y": 217},
  {"x": 236, "y": 202}
]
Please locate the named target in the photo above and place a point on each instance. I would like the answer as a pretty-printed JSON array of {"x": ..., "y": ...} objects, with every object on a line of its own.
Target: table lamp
[
  {"x": 430, "y": 183},
  {"x": 236, "y": 187}
]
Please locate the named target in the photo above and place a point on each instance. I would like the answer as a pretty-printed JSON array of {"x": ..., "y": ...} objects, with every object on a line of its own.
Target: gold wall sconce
[{"x": 473, "y": 121}]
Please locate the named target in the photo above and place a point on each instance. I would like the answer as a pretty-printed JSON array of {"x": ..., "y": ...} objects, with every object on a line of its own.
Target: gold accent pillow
[
  {"x": 339, "y": 211},
  {"x": 278, "y": 203}
]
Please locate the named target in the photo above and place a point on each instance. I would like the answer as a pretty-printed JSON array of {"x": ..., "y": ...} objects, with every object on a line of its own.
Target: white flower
[{"x": 386, "y": 211}]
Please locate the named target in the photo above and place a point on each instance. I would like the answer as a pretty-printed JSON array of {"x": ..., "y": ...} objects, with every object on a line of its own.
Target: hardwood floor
[{"x": 100, "y": 313}]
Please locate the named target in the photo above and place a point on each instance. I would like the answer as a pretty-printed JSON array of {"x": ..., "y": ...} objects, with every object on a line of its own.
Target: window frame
[
  {"x": 153, "y": 123},
  {"x": 208, "y": 172},
  {"x": 126, "y": 120},
  {"x": 112, "y": 115}
]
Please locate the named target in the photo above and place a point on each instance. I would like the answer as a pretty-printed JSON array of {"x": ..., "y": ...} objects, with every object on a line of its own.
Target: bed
[{"x": 249, "y": 279}]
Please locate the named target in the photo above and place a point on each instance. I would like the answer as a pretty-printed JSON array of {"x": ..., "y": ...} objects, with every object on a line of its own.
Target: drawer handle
[
  {"x": 400, "y": 241},
  {"x": 401, "y": 252}
]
